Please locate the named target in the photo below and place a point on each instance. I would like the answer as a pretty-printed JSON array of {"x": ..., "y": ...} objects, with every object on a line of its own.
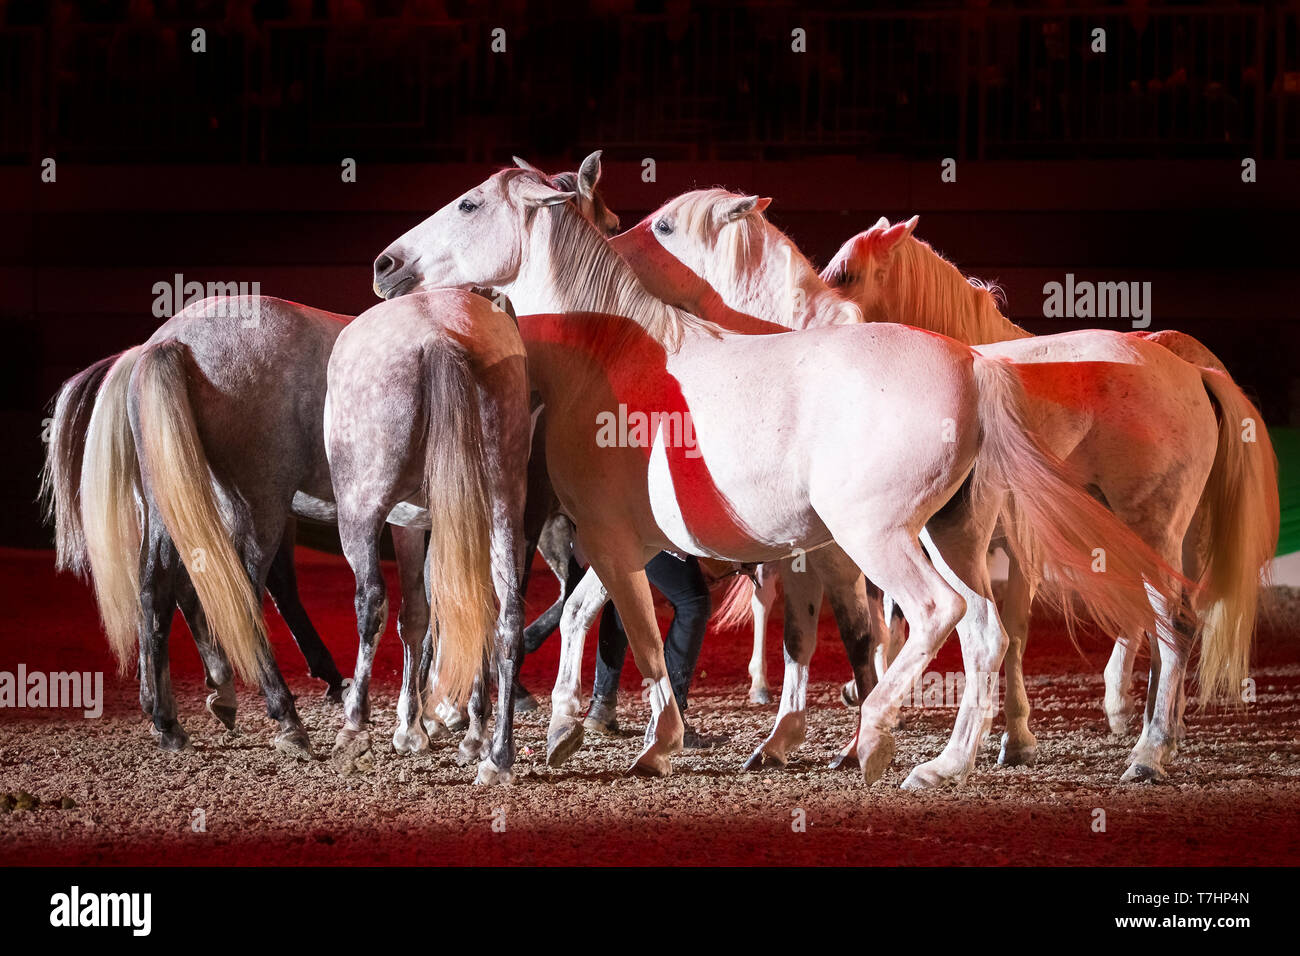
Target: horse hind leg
[
  {"x": 1161, "y": 729},
  {"x": 564, "y": 735},
  {"x": 360, "y": 537},
  {"x": 160, "y": 567},
  {"x": 1118, "y": 702},
  {"x": 410, "y": 736},
  {"x": 893, "y": 559},
  {"x": 761, "y": 606},
  {"x": 803, "y": 598},
  {"x": 1019, "y": 745},
  {"x": 282, "y": 583},
  {"x": 218, "y": 674},
  {"x": 960, "y": 555}
]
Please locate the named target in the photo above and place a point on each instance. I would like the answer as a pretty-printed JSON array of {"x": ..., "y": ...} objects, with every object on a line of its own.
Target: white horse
[
  {"x": 1175, "y": 450},
  {"x": 864, "y": 434}
]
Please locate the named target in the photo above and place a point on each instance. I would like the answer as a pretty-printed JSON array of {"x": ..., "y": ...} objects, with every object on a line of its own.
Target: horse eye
[
  {"x": 467, "y": 206},
  {"x": 663, "y": 227}
]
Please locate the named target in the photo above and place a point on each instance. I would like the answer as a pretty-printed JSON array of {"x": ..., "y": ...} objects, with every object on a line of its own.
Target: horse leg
[
  {"x": 803, "y": 601},
  {"x": 360, "y": 537},
  {"x": 564, "y": 735},
  {"x": 892, "y": 558},
  {"x": 1119, "y": 678},
  {"x": 217, "y": 672},
  {"x": 556, "y": 546},
  {"x": 622, "y": 569},
  {"x": 761, "y": 606},
  {"x": 498, "y": 766},
  {"x": 412, "y": 626},
  {"x": 1172, "y": 646},
  {"x": 282, "y": 583},
  {"x": 1019, "y": 745},
  {"x": 958, "y": 546},
  {"x": 159, "y": 568}
]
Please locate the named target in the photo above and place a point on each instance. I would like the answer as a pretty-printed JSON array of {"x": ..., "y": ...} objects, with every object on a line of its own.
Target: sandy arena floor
[{"x": 1232, "y": 798}]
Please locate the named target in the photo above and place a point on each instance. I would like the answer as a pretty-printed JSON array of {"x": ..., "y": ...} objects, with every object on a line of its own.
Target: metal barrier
[{"x": 716, "y": 83}]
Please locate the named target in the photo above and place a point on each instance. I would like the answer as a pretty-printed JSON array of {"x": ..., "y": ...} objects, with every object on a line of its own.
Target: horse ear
[
  {"x": 733, "y": 209},
  {"x": 589, "y": 174},
  {"x": 881, "y": 224},
  {"x": 895, "y": 234},
  {"x": 539, "y": 194},
  {"x": 525, "y": 164}
]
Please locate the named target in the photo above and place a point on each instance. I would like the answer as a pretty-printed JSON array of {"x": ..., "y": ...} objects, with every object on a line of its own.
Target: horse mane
[
  {"x": 589, "y": 276},
  {"x": 739, "y": 252},
  {"x": 933, "y": 294}
]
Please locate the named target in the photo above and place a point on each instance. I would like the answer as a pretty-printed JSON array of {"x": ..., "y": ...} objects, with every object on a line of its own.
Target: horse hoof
[
  {"x": 875, "y": 754},
  {"x": 334, "y": 692},
  {"x": 435, "y": 729},
  {"x": 1118, "y": 724},
  {"x": 562, "y": 743},
  {"x": 223, "y": 712},
  {"x": 1017, "y": 755},
  {"x": 295, "y": 743},
  {"x": 470, "y": 751},
  {"x": 762, "y": 760},
  {"x": 525, "y": 703},
  {"x": 651, "y": 764},
  {"x": 457, "y": 723},
  {"x": 760, "y": 695},
  {"x": 849, "y": 695},
  {"x": 844, "y": 760},
  {"x": 490, "y": 775},
  {"x": 351, "y": 742},
  {"x": 174, "y": 740},
  {"x": 410, "y": 740},
  {"x": 927, "y": 776},
  {"x": 1143, "y": 773}
]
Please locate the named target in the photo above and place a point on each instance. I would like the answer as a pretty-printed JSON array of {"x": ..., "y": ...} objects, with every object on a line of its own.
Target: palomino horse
[
  {"x": 428, "y": 404},
  {"x": 1176, "y": 450},
  {"x": 749, "y": 264},
  {"x": 276, "y": 404},
  {"x": 869, "y": 431}
]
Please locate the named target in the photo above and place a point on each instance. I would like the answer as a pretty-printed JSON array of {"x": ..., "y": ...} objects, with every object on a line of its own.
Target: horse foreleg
[
  {"x": 564, "y": 736},
  {"x": 621, "y": 566},
  {"x": 761, "y": 606},
  {"x": 1118, "y": 703}
]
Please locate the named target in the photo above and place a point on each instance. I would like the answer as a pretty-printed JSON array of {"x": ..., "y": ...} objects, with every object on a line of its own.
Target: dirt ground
[{"x": 1232, "y": 797}]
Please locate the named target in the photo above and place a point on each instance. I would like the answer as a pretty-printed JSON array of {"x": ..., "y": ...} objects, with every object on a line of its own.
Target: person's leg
[
  {"x": 611, "y": 651},
  {"x": 683, "y": 584}
]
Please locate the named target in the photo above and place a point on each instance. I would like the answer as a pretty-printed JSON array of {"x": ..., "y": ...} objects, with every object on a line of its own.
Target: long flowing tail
[
  {"x": 60, "y": 493},
  {"x": 460, "y": 504},
  {"x": 1053, "y": 526},
  {"x": 109, "y": 502},
  {"x": 176, "y": 476},
  {"x": 736, "y": 609},
  {"x": 1240, "y": 508}
]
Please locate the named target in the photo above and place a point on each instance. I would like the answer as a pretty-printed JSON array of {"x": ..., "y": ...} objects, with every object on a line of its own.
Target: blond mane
[
  {"x": 589, "y": 276},
  {"x": 933, "y": 294},
  {"x": 740, "y": 249}
]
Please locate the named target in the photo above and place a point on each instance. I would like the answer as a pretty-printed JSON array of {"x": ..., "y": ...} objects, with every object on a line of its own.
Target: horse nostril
[{"x": 384, "y": 265}]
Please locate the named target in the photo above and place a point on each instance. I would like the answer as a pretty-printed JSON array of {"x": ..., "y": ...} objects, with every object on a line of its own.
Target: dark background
[{"x": 225, "y": 165}]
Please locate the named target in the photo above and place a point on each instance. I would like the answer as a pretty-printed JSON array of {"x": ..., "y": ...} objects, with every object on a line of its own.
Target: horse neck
[
  {"x": 932, "y": 294},
  {"x": 603, "y": 282},
  {"x": 766, "y": 288}
]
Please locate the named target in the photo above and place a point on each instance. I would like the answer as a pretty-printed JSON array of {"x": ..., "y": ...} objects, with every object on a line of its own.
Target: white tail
[
  {"x": 64, "y": 453},
  {"x": 110, "y": 510},
  {"x": 177, "y": 478},
  {"x": 1053, "y": 525}
]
